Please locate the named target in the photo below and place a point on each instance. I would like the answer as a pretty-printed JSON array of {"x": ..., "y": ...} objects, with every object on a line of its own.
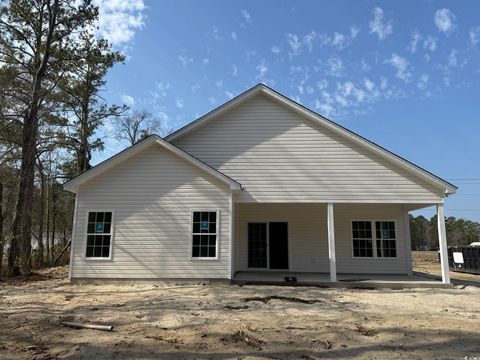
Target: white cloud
[
  {"x": 383, "y": 83},
  {"x": 276, "y": 49},
  {"x": 324, "y": 108},
  {"x": 234, "y": 35},
  {"x": 212, "y": 100},
  {"x": 369, "y": 85},
  {"x": 229, "y": 94},
  {"x": 309, "y": 39},
  {"x": 120, "y": 19},
  {"x": 447, "y": 80},
  {"x": 416, "y": 37},
  {"x": 294, "y": 44},
  {"x": 179, "y": 102},
  {"x": 246, "y": 16},
  {"x": 341, "y": 96},
  {"x": 127, "y": 100},
  {"x": 219, "y": 83},
  {"x": 249, "y": 54},
  {"x": 185, "y": 60},
  {"x": 300, "y": 89},
  {"x": 206, "y": 61},
  {"x": 216, "y": 33},
  {"x": 195, "y": 87},
  {"x": 234, "y": 70},
  {"x": 348, "y": 94},
  {"x": 160, "y": 90},
  {"x": 401, "y": 66},
  {"x": 430, "y": 43},
  {"x": 379, "y": 25},
  {"x": 262, "y": 69},
  {"x": 474, "y": 35},
  {"x": 322, "y": 84},
  {"x": 335, "y": 66},
  {"x": 444, "y": 20},
  {"x": 365, "y": 66},
  {"x": 354, "y": 31},
  {"x": 339, "y": 40},
  {"x": 422, "y": 81},
  {"x": 452, "y": 59}
]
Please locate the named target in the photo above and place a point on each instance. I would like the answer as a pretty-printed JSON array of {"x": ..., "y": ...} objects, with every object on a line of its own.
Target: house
[{"x": 259, "y": 184}]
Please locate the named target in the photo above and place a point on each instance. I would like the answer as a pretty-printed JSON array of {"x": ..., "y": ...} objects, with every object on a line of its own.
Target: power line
[{"x": 462, "y": 209}]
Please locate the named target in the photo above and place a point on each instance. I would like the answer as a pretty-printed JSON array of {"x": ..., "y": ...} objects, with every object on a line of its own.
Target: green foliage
[
  {"x": 82, "y": 104},
  {"x": 424, "y": 233},
  {"x": 52, "y": 69}
]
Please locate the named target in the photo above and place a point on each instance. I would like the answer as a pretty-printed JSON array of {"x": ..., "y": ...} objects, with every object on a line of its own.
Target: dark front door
[
  {"x": 257, "y": 245},
  {"x": 278, "y": 245}
]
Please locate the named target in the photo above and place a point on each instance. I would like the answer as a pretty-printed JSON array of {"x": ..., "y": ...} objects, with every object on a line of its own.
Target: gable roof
[
  {"x": 73, "y": 184},
  {"x": 447, "y": 187}
]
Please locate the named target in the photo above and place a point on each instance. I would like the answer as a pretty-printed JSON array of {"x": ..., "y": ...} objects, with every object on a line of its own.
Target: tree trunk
[
  {"x": 83, "y": 156},
  {"x": 54, "y": 212},
  {"x": 19, "y": 257},
  {"x": 2, "y": 239},
  {"x": 47, "y": 232},
  {"x": 41, "y": 218}
]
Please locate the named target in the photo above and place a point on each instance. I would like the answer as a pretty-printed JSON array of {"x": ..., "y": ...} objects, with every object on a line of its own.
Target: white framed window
[
  {"x": 386, "y": 239},
  {"x": 99, "y": 235},
  {"x": 362, "y": 239},
  {"x": 374, "y": 239},
  {"x": 205, "y": 234}
]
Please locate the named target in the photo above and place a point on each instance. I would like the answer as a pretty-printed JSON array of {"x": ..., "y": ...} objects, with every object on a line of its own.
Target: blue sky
[{"x": 404, "y": 74}]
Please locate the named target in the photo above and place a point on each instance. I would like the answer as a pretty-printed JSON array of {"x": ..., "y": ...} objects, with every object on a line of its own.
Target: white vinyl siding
[
  {"x": 152, "y": 195},
  {"x": 279, "y": 156},
  {"x": 308, "y": 244}
]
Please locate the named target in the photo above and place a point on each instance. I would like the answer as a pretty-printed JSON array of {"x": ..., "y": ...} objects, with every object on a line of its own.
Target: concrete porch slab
[{"x": 376, "y": 281}]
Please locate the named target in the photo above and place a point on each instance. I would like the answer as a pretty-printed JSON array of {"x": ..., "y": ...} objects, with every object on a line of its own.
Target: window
[
  {"x": 204, "y": 234},
  {"x": 364, "y": 243},
  {"x": 362, "y": 239},
  {"x": 99, "y": 234},
  {"x": 386, "y": 246}
]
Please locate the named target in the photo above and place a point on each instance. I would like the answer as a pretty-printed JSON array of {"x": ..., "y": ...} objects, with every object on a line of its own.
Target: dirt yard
[
  {"x": 199, "y": 321},
  {"x": 427, "y": 262}
]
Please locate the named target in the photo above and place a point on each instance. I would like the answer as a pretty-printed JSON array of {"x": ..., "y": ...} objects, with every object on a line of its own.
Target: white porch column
[
  {"x": 442, "y": 238},
  {"x": 232, "y": 264},
  {"x": 331, "y": 243},
  {"x": 408, "y": 245}
]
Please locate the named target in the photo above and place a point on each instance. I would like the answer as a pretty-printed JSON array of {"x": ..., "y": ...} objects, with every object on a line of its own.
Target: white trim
[
  {"x": 331, "y": 242},
  {"x": 374, "y": 240},
  {"x": 73, "y": 185},
  {"x": 217, "y": 234},
  {"x": 446, "y": 187},
  {"x": 231, "y": 223},
  {"x": 112, "y": 235},
  {"x": 237, "y": 243},
  {"x": 74, "y": 225},
  {"x": 442, "y": 239},
  {"x": 408, "y": 244}
]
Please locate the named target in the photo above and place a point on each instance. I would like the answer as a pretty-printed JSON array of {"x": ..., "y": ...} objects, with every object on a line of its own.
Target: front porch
[
  {"x": 355, "y": 244},
  {"x": 343, "y": 280}
]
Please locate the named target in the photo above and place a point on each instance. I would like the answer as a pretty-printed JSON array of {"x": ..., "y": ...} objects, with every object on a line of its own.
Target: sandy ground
[
  {"x": 199, "y": 321},
  {"x": 427, "y": 262}
]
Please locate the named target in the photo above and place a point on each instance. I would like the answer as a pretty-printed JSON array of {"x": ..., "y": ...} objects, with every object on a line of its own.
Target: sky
[{"x": 404, "y": 74}]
